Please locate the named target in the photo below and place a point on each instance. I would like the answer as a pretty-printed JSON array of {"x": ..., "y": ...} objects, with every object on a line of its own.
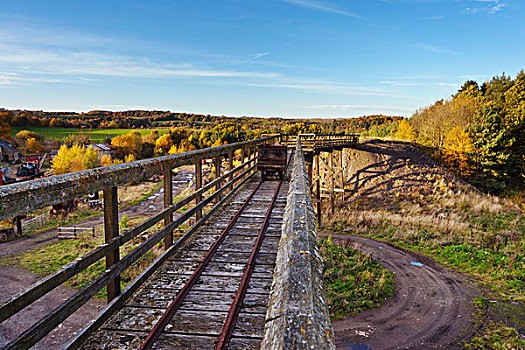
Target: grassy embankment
[
  {"x": 353, "y": 281},
  {"x": 97, "y": 135}
]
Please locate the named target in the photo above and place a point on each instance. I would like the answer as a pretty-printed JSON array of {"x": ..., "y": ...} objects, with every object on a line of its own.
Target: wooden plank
[
  {"x": 218, "y": 164},
  {"x": 110, "y": 232}
]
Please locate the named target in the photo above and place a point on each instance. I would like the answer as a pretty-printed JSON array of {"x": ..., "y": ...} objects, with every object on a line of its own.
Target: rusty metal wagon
[{"x": 271, "y": 161}]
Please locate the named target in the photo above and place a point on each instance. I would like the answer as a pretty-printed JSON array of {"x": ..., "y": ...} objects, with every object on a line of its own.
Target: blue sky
[{"x": 290, "y": 58}]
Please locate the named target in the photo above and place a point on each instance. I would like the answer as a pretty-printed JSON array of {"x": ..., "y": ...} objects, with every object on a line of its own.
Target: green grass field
[{"x": 97, "y": 135}]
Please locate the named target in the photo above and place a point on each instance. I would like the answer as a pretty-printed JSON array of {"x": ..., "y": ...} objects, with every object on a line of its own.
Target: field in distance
[{"x": 97, "y": 135}]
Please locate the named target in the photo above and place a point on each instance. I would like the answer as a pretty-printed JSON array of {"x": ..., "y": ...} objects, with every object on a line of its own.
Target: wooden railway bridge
[{"x": 246, "y": 275}]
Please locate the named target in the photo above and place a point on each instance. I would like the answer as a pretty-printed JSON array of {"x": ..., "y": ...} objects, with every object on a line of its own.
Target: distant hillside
[{"x": 158, "y": 119}]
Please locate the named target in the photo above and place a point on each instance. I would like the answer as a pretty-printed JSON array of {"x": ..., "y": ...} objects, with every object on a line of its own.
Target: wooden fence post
[
  {"x": 198, "y": 185},
  {"x": 230, "y": 164},
  {"x": 110, "y": 232},
  {"x": 168, "y": 201},
  {"x": 218, "y": 164}
]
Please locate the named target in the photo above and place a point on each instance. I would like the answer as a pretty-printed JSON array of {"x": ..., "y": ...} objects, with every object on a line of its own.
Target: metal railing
[{"x": 25, "y": 197}]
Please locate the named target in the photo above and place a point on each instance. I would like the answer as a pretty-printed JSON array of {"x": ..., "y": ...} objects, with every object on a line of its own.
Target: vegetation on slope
[
  {"x": 479, "y": 133},
  {"x": 353, "y": 281}
]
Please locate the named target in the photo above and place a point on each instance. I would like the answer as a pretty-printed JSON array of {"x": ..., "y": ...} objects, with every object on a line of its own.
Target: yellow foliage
[
  {"x": 76, "y": 158},
  {"x": 405, "y": 131},
  {"x": 130, "y": 158},
  {"x": 184, "y": 146},
  {"x": 105, "y": 160},
  {"x": 163, "y": 144},
  {"x": 456, "y": 147},
  {"x": 131, "y": 143},
  {"x": 218, "y": 142},
  {"x": 33, "y": 146}
]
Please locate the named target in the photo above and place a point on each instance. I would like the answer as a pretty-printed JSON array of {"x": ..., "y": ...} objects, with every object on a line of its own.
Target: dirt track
[
  {"x": 431, "y": 307},
  {"x": 390, "y": 182}
]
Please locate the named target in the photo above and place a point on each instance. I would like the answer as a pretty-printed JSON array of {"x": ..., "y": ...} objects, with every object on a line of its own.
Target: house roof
[
  {"x": 102, "y": 146},
  {"x": 7, "y": 145}
]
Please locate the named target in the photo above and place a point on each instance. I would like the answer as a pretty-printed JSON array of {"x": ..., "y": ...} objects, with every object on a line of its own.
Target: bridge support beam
[
  {"x": 111, "y": 231},
  {"x": 318, "y": 192},
  {"x": 328, "y": 179}
]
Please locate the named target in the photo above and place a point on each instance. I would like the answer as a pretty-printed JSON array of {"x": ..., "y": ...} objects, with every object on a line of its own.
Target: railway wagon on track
[{"x": 271, "y": 161}]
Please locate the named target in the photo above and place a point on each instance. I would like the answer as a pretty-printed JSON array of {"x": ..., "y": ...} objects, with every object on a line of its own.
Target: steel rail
[
  {"x": 231, "y": 319},
  {"x": 181, "y": 295}
]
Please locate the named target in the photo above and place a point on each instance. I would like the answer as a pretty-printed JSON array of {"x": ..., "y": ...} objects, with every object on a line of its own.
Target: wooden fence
[
  {"x": 75, "y": 232},
  {"x": 33, "y": 223},
  {"x": 25, "y": 197},
  {"x": 318, "y": 142}
]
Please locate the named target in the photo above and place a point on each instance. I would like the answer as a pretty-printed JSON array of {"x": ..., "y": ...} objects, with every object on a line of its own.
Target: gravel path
[{"x": 431, "y": 307}]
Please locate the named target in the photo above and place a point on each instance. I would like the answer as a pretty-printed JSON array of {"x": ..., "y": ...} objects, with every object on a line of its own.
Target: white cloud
[
  {"x": 259, "y": 55},
  {"x": 435, "y": 49},
  {"x": 323, "y": 6},
  {"x": 487, "y": 6},
  {"x": 448, "y": 84},
  {"x": 397, "y": 83}
]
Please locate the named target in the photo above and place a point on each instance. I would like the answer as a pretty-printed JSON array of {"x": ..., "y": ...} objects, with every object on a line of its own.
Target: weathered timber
[
  {"x": 40, "y": 288},
  {"x": 110, "y": 232},
  {"x": 198, "y": 185},
  {"x": 168, "y": 201},
  {"x": 117, "y": 303},
  {"x": 49, "y": 322},
  {"x": 297, "y": 316}
]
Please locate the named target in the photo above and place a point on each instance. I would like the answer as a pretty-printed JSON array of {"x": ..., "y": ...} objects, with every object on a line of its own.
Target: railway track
[
  {"x": 213, "y": 293},
  {"x": 248, "y": 214}
]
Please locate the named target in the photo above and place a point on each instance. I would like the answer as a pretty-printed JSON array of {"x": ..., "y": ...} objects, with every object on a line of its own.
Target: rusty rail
[
  {"x": 233, "y": 314},
  {"x": 21, "y": 198}
]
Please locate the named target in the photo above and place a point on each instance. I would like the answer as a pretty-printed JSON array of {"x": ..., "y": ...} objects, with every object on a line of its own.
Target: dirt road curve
[{"x": 431, "y": 307}]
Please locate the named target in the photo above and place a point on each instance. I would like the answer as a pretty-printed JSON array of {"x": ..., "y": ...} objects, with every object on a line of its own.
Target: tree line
[{"x": 479, "y": 132}]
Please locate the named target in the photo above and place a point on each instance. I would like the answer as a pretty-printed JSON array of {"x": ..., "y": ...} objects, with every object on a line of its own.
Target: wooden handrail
[
  {"x": 37, "y": 331},
  {"x": 21, "y": 198}
]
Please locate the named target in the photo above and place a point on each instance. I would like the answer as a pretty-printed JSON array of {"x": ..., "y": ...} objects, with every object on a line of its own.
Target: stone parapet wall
[{"x": 298, "y": 316}]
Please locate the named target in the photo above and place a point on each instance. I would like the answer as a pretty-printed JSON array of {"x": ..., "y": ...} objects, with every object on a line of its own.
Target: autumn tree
[
  {"x": 458, "y": 149},
  {"x": 163, "y": 144},
  {"x": 130, "y": 143},
  {"x": 33, "y": 146},
  {"x": 405, "y": 131},
  {"x": 76, "y": 158},
  {"x": 5, "y": 127}
]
